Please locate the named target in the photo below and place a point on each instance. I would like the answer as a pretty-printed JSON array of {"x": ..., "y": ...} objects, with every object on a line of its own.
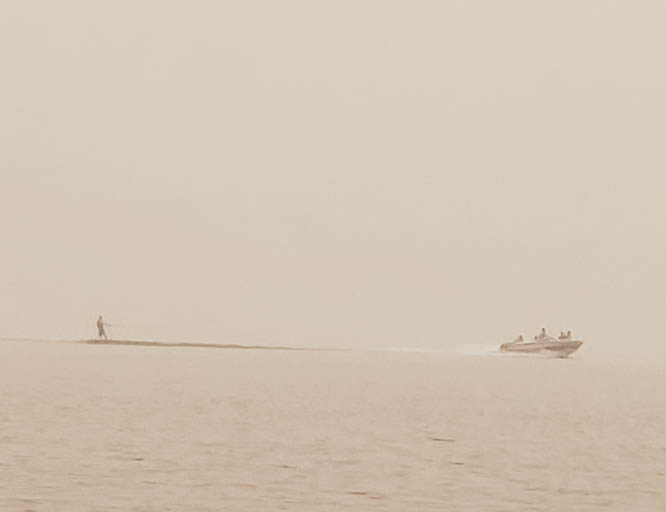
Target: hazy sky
[{"x": 348, "y": 173}]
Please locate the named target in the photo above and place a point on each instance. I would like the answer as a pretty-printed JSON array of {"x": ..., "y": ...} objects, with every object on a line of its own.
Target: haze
[{"x": 334, "y": 174}]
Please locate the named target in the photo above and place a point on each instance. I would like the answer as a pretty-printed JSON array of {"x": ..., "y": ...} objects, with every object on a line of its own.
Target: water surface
[{"x": 117, "y": 428}]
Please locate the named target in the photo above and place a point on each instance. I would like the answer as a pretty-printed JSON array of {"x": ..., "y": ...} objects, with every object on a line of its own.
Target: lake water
[{"x": 124, "y": 428}]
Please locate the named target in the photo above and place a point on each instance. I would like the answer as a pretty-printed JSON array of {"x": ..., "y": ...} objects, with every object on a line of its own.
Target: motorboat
[{"x": 563, "y": 346}]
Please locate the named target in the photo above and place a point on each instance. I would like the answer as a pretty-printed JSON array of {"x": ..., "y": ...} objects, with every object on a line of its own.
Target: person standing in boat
[{"x": 101, "y": 333}]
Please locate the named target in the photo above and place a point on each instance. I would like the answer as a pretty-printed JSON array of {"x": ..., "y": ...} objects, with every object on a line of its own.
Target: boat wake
[
  {"x": 478, "y": 350},
  {"x": 156, "y": 343},
  {"x": 418, "y": 350},
  {"x": 141, "y": 343}
]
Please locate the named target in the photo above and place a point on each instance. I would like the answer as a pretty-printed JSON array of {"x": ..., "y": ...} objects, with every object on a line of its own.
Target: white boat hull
[{"x": 556, "y": 348}]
